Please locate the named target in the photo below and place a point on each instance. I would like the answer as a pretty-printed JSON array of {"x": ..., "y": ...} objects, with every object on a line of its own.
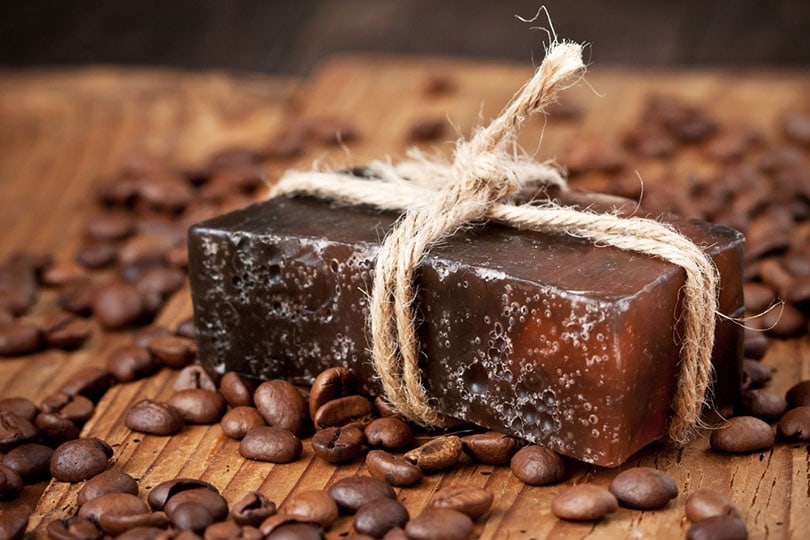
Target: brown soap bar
[{"x": 543, "y": 336}]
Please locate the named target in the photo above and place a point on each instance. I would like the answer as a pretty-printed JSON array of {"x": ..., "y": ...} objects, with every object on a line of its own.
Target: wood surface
[{"x": 63, "y": 131}]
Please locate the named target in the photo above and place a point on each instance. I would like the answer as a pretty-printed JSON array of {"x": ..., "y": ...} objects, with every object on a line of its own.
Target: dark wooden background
[{"x": 281, "y": 36}]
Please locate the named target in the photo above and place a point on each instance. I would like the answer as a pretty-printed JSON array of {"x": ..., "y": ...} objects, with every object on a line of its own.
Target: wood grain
[{"x": 62, "y": 131}]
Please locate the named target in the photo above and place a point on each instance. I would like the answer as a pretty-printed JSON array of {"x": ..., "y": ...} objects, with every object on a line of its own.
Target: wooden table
[{"x": 63, "y": 131}]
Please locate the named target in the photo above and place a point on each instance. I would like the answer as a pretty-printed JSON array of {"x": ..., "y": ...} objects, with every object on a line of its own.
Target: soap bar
[{"x": 547, "y": 337}]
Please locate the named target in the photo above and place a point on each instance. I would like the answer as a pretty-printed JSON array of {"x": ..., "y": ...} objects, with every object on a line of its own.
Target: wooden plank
[{"x": 381, "y": 97}]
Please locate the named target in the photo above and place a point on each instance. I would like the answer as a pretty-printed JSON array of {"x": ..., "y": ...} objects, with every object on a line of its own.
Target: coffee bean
[
  {"x": 390, "y": 433},
  {"x": 236, "y": 390},
  {"x": 239, "y": 420},
  {"x": 755, "y": 374},
  {"x": 31, "y": 461},
  {"x": 56, "y": 429},
  {"x": 315, "y": 506},
  {"x": 154, "y": 417},
  {"x": 109, "y": 226},
  {"x": 763, "y": 404},
  {"x": 175, "y": 352},
  {"x": 758, "y": 297},
  {"x": 77, "y": 408},
  {"x": 437, "y": 454},
  {"x": 91, "y": 382},
  {"x": 342, "y": 411},
  {"x": 213, "y": 502},
  {"x": 19, "y": 338},
  {"x": 584, "y": 502},
  {"x": 112, "y": 511},
  {"x": 384, "y": 408},
  {"x": 194, "y": 376},
  {"x": 11, "y": 484},
  {"x": 80, "y": 459},
  {"x": 96, "y": 254},
  {"x": 795, "y": 425},
  {"x": 252, "y": 509},
  {"x": 18, "y": 289},
  {"x": 282, "y": 406},
  {"x": 742, "y": 434},
  {"x": 378, "y": 517},
  {"x": 147, "y": 249},
  {"x": 799, "y": 394},
  {"x": 164, "y": 491},
  {"x": 191, "y": 516},
  {"x": 470, "y": 500},
  {"x": 73, "y": 528},
  {"x": 62, "y": 273},
  {"x": 199, "y": 406},
  {"x": 117, "y": 305},
  {"x": 68, "y": 332},
  {"x": 718, "y": 528},
  {"x": 332, "y": 383},
  {"x": 22, "y": 407},
  {"x": 77, "y": 297},
  {"x": 14, "y": 430},
  {"x": 491, "y": 447},
  {"x": 145, "y": 335},
  {"x": 270, "y": 443},
  {"x": 785, "y": 322},
  {"x": 537, "y": 466},
  {"x": 440, "y": 523},
  {"x": 227, "y": 530},
  {"x": 396, "y": 533},
  {"x": 352, "y": 492},
  {"x": 338, "y": 444},
  {"x": 755, "y": 344},
  {"x": 130, "y": 362},
  {"x": 112, "y": 481},
  {"x": 643, "y": 488},
  {"x": 293, "y": 531},
  {"x": 395, "y": 470},
  {"x": 706, "y": 503},
  {"x": 13, "y": 525},
  {"x": 186, "y": 328},
  {"x": 160, "y": 281}
]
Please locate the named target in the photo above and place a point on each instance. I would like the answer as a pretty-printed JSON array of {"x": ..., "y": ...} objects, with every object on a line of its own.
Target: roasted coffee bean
[
  {"x": 145, "y": 335},
  {"x": 227, "y": 530},
  {"x": 11, "y": 484},
  {"x": 160, "y": 281},
  {"x": 130, "y": 362},
  {"x": 149, "y": 247},
  {"x": 742, "y": 434},
  {"x": 795, "y": 425},
  {"x": 22, "y": 407},
  {"x": 470, "y": 500},
  {"x": 109, "y": 226},
  {"x": 332, "y": 383},
  {"x": 91, "y": 382},
  {"x": 96, "y": 254},
  {"x": 80, "y": 459},
  {"x": 384, "y": 408},
  {"x": 282, "y": 406},
  {"x": 755, "y": 374},
  {"x": 199, "y": 406},
  {"x": 758, "y": 297},
  {"x": 112, "y": 481},
  {"x": 292, "y": 530},
  {"x": 18, "y": 289},
  {"x": 118, "y": 524},
  {"x": 799, "y": 394},
  {"x": 77, "y": 297},
  {"x": 718, "y": 528},
  {"x": 13, "y": 525},
  {"x": 117, "y": 305},
  {"x": 145, "y": 533},
  {"x": 56, "y": 429},
  {"x": 643, "y": 488},
  {"x": 15, "y": 430},
  {"x": 186, "y": 328},
  {"x": 352, "y": 492},
  {"x": 763, "y": 404},
  {"x": 537, "y": 466},
  {"x": 191, "y": 516},
  {"x": 69, "y": 334},
  {"x": 19, "y": 338},
  {"x": 395, "y": 470},
  {"x": 73, "y": 528},
  {"x": 210, "y": 499},
  {"x": 584, "y": 502},
  {"x": 342, "y": 411},
  {"x": 338, "y": 444},
  {"x": 194, "y": 376},
  {"x": 440, "y": 523},
  {"x": 315, "y": 506},
  {"x": 77, "y": 408},
  {"x": 237, "y": 391},
  {"x": 390, "y": 433},
  {"x": 252, "y": 509},
  {"x": 706, "y": 503},
  {"x": 437, "y": 454},
  {"x": 154, "y": 417},
  {"x": 755, "y": 345},
  {"x": 113, "y": 512},
  {"x": 397, "y": 533},
  {"x": 164, "y": 491},
  {"x": 270, "y": 443},
  {"x": 62, "y": 273},
  {"x": 239, "y": 420},
  {"x": 786, "y": 322},
  {"x": 175, "y": 352},
  {"x": 31, "y": 461},
  {"x": 378, "y": 517},
  {"x": 491, "y": 447}
]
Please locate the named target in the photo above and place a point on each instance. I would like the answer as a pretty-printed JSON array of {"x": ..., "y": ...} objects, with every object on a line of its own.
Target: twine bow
[{"x": 439, "y": 198}]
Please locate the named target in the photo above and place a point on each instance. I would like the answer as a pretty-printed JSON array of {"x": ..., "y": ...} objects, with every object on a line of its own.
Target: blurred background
[{"x": 275, "y": 36}]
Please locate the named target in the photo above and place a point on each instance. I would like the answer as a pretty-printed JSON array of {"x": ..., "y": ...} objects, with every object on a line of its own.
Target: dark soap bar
[{"x": 543, "y": 336}]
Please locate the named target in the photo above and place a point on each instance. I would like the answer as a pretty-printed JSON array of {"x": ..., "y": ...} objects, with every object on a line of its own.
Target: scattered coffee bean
[
  {"x": 160, "y": 281},
  {"x": 282, "y": 405},
  {"x": 239, "y": 420},
  {"x": 210, "y": 499},
  {"x": 191, "y": 516},
  {"x": 331, "y": 383},
  {"x": 390, "y": 433},
  {"x": 470, "y": 500},
  {"x": 146, "y": 533},
  {"x": 338, "y": 444},
  {"x": 795, "y": 425},
  {"x": 80, "y": 459},
  {"x": 763, "y": 404},
  {"x": 154, "y": 417},
  {"x": 755, "y": 374},
  {"x": 227, "y": 530},
  {"x": 437, "y": 454},
  {"x": 145, "y": 335},
  {"x": 199, "y": 406},
  {"x": 397, "y": 533},
  {"x": 755, "y": 345},
  {"x": 342, "y": 411},
  {"x": 186, "y": 328},
  {"x": 723, "y": 527},
  {"x": 175, "y": 352},
  {"x": 96, "y": 254},
  {"x": 109, "y": 226},
  {"x": 62, "y": 273},
  {"x": 77, "y": 297},
  {"x": 395, "y": 470},
  {"x": 111, "y": 481},
  {"x": 78, "y": 409},
  {"x": 742, "y": 434},
  {"x": 15, "y": 430},
  {"x": 270, "y": 443},
  {"x": 352, "y": 492},
  {"x": 537, "y": 466},
  {"x": 643, "y": 488},
  {"x": 66, "y": 331},
  {"x": 22, "y": 407},
  {"x": 584, "y": 502},
  {"x": 440, "y": 523},
  {"x": 91, "y": 382},
  {"x": 378, "y": 517},
  {"x": 56, "y": 429},
  {"x": 491, "y": 447},
  {"x": 253, "y": 509},
  {"x": 293, "y": 531},
  {"x": 237, "y": 391},
  {"x": 194, "y": 376},
  {"x": 73, "y": 528},
  {"x": 113, "y": 512},
  {"x": 706, "y": 503},
  {"x": 313, "y": 506},
  {"x": 117, "y": 305},
  {"x": 11, "y": 484},
  {"x": 799, "y": 394},
  {"x": 164, "y": 491},
  {"x": 19, "y": 338},
  {"x": 130, "y": 362},
  {"x": 13, "y": 525},
  {"x": 31, "y": 461}
]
